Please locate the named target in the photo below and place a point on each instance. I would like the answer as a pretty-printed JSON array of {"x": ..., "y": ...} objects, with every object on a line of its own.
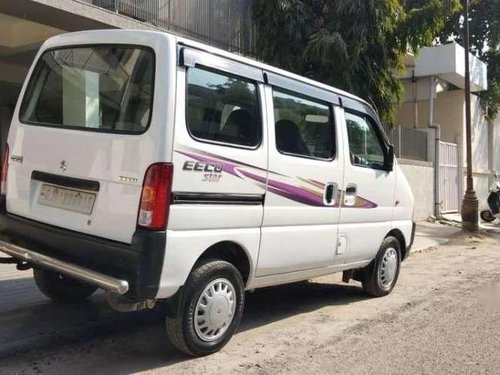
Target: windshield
[{"x": 104, "y": 88}]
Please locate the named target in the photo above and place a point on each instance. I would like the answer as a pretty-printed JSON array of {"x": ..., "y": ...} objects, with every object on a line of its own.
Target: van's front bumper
[{"x": 130, "y": 269}]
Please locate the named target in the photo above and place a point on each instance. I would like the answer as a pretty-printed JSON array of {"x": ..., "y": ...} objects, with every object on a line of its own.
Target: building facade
[
  {"x": 26, "y": 24},
  {"x": 434, "y": 94}
]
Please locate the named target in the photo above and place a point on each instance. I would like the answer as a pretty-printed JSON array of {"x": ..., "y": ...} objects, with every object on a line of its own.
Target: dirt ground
[{"x": 442, "y": 317}]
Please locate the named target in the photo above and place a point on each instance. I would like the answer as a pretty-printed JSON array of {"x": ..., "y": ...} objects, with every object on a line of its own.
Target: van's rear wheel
[
  {"x": 210, "y": 309},
  {"x": 381, "y": 275},
  {"x": 62, "y": 288}
]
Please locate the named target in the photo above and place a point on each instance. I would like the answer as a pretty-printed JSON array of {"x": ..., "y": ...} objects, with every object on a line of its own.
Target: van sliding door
[{"x": 306, "y": 162}]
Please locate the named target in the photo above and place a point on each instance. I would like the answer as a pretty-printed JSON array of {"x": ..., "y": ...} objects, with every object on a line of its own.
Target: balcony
[
  {"x": 447, "y": 62},
  {"x": 224, "y": 23}
]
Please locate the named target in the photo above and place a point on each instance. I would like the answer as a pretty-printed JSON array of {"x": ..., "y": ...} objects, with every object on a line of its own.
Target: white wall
[
  {"x": 479, "y": 138},
  {"x": 479, "y": 143},
  {"x": 449, "y": 112},
  {"x": 420, "y": 176},
  {"x": 496, "y": 142}
]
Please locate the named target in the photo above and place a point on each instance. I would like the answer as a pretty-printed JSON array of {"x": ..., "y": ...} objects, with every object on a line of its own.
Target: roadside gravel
[{"x": 443, "y": 317}]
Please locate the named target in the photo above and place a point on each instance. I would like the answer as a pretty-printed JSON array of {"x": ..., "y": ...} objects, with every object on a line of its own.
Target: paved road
[{"x": 443, "y": 317}]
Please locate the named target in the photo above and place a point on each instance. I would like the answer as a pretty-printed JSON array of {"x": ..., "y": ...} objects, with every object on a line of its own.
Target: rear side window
[
  {"x": 303, "y": 125},
  {"x": 366, "y": 148},
  {"x": 104, "y": 88},
  {"x": 222, "y": 108}
]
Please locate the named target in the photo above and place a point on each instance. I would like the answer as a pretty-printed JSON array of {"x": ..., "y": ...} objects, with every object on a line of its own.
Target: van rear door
[{"x": 86, "y": 132}]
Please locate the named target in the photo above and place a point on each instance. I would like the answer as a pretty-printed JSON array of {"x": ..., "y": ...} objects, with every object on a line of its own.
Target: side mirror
[{"x": 389, "y": 159}]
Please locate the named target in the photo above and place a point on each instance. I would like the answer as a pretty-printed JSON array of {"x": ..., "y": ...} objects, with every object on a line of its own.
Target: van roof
[
  {"x": 63, "y": 38},
  {"x": 248, "y": 61}
]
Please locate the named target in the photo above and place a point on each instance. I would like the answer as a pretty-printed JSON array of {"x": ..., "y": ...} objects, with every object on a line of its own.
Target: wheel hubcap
[
  {"x": 388, "y": 268},
  {"x": 215, "y": 310}
]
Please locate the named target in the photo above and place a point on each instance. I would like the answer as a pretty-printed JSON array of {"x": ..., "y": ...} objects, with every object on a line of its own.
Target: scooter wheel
[{"x": 487, "y": 216}]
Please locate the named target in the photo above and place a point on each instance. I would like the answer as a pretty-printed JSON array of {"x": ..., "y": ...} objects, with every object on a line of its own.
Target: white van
[{"x": 161, "y": 169}]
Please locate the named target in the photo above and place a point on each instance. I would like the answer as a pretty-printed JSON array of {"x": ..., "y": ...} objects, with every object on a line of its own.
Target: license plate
[{"x": 66, "y": 199}]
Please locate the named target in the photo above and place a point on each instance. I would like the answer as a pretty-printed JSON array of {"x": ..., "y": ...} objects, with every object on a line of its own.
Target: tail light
[
  {"x": 5, "y": 171},
  {"x": 155, "y": 197}
]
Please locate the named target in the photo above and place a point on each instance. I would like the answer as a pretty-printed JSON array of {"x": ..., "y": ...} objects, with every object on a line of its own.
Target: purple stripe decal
[
  {"x": 363, "y": 203},
  {"x": 313, "y": 182},
  {"x": 227, "y": 167},
  {"x": 289, "y": 191},
  {"x": 305, "y": 195},
  {"x": 218, "y": 157}
]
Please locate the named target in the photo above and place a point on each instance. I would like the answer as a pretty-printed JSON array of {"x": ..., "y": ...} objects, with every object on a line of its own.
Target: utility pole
[{"x": 470, "y": 203}]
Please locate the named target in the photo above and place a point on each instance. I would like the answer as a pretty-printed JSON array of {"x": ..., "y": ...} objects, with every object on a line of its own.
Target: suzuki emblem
[{"x": 63, "y": 165}]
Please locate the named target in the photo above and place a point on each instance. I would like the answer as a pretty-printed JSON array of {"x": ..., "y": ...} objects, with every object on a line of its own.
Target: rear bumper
[
  {"x": 130, "y": 269},
  {"x": 80, "y": 273}
]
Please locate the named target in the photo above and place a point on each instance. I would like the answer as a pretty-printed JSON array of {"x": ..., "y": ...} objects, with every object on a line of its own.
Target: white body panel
[
  {"x": 184, "y": 248},
  {"x": 284, "y": 239},
  {"x": 189, "y": 217},
  {"x": 403, "y": 211},
  {"x": 95, "y": 156}
]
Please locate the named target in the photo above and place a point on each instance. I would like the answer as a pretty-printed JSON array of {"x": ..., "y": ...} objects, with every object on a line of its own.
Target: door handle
[
  {"x": 330, "y": 194},
  {"x": 350, "y": 195}
]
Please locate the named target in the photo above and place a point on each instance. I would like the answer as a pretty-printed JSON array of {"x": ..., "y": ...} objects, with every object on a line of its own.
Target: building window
[
  {"x": 223, "y": 108},
  {"x": 303, "y": 125}
]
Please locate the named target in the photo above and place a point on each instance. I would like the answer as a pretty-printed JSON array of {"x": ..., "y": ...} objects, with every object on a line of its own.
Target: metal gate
[{"x": 448, "y": 177}]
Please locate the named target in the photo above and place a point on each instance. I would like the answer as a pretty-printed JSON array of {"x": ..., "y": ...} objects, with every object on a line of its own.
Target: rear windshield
[{"x": 104, "y": 88}]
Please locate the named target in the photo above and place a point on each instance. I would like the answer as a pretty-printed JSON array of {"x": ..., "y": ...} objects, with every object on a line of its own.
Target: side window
[
  {"x": 222, "y": 108},
  {"x": 365, "y": 146},
  {"x": 304, "y": 126}
]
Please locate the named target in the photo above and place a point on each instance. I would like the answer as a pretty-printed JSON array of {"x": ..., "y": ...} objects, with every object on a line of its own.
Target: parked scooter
[{"x": 493, "y": 212}]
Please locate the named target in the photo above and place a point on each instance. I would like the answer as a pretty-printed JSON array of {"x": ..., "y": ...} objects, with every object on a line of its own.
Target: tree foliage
[
  {"x": 355, "y": 45},
  {"x": 484, "y": 26}
]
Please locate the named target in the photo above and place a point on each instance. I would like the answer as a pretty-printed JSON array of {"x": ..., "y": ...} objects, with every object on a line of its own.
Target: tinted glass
[
  {"x": 222, "y": 108},
  {"x": 103, "y": 88},
  {"x": 364, "y": 144},
  {"x": 304, "y": 126}
]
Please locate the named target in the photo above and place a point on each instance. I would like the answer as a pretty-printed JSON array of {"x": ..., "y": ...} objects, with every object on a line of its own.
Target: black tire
[
  {"x": 181, "y": 329},
  {"x": 487, "y": 216},
  {"x": 61, "y": 288},
  {"x": 374, "y": 274}
]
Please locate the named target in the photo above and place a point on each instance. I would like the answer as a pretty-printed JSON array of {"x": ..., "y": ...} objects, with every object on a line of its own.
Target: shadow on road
[
  {"x": 137, "y": 341},
  {"x": 277, "y": 303}
]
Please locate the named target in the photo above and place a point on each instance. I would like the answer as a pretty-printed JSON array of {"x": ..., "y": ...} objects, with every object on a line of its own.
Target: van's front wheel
[
  {"x": 210, "y": 309},
  {"x": 381, "y": 275},
  {"x": 61, "y": 288}
]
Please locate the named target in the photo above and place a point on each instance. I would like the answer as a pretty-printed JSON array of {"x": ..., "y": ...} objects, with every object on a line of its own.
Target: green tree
[
  {"x": 484, "y": 25},
  {"x": 355, "y": 45}
]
